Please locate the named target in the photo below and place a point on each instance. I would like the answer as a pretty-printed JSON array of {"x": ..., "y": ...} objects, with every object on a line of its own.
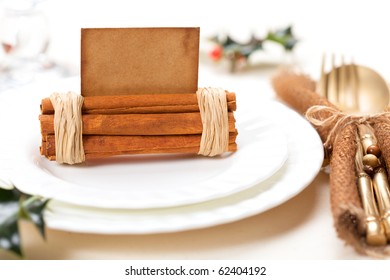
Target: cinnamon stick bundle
[{"x": 137, "y": 124}]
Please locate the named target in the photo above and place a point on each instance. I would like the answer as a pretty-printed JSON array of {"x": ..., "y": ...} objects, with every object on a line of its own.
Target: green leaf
[
  {"x": 9, "y": 195},
  {"x": 34, "y": 208},
  {"x": 9, "y": 214},
  {"x": 284, "y": 37},
  {"x": 229, "y": 42},
  {"x": 14, "y": 205},
  {"x": 9, "y": 235}
]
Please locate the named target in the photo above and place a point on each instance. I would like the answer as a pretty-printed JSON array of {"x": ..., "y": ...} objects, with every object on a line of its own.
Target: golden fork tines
[
  {"x": 340, "y": 85},
  {"x": 353, "y": 88}
]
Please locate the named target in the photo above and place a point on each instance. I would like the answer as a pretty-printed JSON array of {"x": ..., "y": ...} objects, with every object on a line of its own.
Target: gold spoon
[{"x": 360, "y": 90}]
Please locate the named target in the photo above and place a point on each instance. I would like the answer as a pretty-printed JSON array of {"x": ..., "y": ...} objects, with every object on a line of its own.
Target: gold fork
[
  {"x": 342, "y": 85},
  {"x": 354, "y": 88}
]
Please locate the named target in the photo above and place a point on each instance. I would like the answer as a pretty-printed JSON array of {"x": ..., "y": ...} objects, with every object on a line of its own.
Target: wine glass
[{"x": 24, "y": 40}]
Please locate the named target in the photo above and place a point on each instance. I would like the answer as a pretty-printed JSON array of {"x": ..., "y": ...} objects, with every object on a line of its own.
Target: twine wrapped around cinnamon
[
  {"x": 338, "y": 132},
  {"x": 68, "y": 127}
]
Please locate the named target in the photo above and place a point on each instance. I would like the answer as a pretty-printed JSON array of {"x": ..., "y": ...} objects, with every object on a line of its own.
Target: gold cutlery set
[{"x": 359, "y": 90}]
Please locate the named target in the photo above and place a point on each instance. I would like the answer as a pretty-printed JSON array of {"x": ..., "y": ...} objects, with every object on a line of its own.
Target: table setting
[{"x": 289, "y": 176}]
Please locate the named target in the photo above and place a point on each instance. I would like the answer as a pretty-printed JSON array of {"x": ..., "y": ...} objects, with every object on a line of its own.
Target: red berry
[
  {"x": 7, "y": 47},
  {"x": 216, "y": 53}
]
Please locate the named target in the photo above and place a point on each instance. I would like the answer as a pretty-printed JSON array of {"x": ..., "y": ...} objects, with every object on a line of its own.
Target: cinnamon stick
[
  {"x": 181, "y": 150},
  {"x": 98, "y": 144},
  {"x": 137, "y": 124},
  {"x": 140, "y": 104}
]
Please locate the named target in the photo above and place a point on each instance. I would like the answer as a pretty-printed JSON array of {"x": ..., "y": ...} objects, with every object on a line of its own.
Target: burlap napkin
[{"x": 298, "y": 92}]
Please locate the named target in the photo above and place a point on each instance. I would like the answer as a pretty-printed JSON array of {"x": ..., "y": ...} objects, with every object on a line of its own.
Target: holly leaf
[
  {"x": 33, "y": 211},
  {"x": 229, "y": 41},
  {"x": 224, "y": 41},
  {"x": 284, "y": 37},
  {"x": 9, "y": 214},
  {"x": 15, "y": 205}
]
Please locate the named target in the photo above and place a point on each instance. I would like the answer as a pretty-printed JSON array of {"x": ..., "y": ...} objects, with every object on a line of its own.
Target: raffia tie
[
  {"x": 68, "y": 127},
  {"x": 328, "y": 117},
  {"x": 213, "y": 111}
]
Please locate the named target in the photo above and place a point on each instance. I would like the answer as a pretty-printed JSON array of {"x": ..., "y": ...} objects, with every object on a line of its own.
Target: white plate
[
  {"x": 147, "y": 181},
  {"x": 303, "y": 163}
]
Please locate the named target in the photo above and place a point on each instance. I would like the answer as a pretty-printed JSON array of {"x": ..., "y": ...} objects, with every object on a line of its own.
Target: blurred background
[{"x": 49, "y": 30}]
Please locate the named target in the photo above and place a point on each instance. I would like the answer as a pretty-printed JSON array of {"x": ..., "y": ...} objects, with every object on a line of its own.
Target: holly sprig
[
  {"x": 16, "y": 206},
  {"x": 228, "y": 48}
]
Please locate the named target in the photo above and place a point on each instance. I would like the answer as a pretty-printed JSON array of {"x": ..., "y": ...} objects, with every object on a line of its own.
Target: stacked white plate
[{"x": 278, "y": 155}]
